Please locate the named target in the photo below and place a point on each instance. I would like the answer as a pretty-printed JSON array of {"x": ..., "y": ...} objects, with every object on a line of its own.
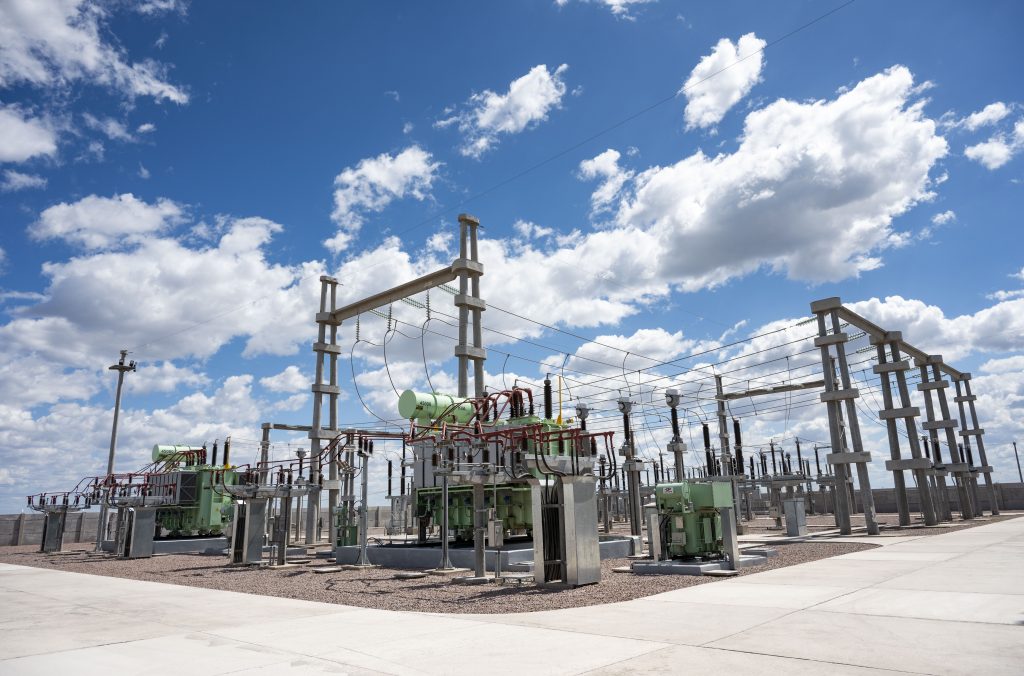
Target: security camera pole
[{"x": 121, "y": 369}]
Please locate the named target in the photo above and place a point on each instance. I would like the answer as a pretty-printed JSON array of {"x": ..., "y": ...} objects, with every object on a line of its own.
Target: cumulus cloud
[
  {"x": 997, "y": 328},
  {"x": 811, "y": 191},
  {"x": 945, "y": 217},
  {"x": 529, "y": 230},
  {"x": 990, "y": 114},
  {"x": 488, "y": 115},
  {"x": 15, "y": 180},
  {"x": 55, "y": 43},
  {"x": 164, "y": 376},
  {"x": 605, "y": 167},
  {"x": 721, "y": 79},
  {"x": 95, "y": 222},
  {"x": 999, "y": 149},
  {"x": 23, "y": 136},
  {"x": 289, "y": 381},
  {"x": 376, "y": 182},
  {"x": 166, "y": 300}
]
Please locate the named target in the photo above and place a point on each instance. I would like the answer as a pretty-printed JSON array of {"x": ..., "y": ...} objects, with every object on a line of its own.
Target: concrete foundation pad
[
  {"x": 210, "y": 545},
  {"x": 406, "y": 556},
  {"x": 446, "y": 572},
  {"x": 472, "y": 579},
  {"x": 674, "y": 567}
]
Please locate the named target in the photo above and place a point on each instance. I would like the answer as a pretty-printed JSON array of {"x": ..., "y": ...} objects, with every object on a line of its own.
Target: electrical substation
[{"x": 498, "y": 485}]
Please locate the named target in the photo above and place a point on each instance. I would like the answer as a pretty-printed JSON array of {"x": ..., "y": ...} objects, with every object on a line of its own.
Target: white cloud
[
  {"x": 528, "y": 230},
  {"x": 109, "y": 127},
  {"x": 15, "y": 180},
  {"x": 23, "y": 137},
  {"x": 613, "y": 178},
  {"x": 145, "y": 128},
  {"x": 999, "y": 149},
  {"x": 161, "y": 6},
  {"x": 143, "y": 172},
  {"x": 95, "y": 222},
  {"x": 619, "y": 8},
  {"x": 55, "y": 43},
  {"x": 1005, "y": 295},
  {"x": 809, "y": 192},
  {"x": 440, "y": 242},
  {"x": 997, "y": 328},
  {"x": 721, "y": 79},
  {"x": 165, "y": 301},
  {"x": 407, "y": 128},
  {"x": 1019, "y": 275},
  {"x": 945, "y": 217},
  {"x": 527, "y": 103},
  {"x": 990, "y": 114},
  {"x": 289, "y": 381},
  {"x": 373, "y": 184},
  {"x": 164, "y": 376}
]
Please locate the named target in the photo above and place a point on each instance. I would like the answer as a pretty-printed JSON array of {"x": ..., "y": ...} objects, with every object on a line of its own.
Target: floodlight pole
[{"x": 121, "y": 369}]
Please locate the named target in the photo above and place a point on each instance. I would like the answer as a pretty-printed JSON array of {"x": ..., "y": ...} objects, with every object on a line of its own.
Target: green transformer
[
  {"x": 689, "y": 518},
  {"x": 197, "y": 503}
]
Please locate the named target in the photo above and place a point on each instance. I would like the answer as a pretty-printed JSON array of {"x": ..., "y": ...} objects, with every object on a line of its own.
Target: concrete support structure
[
  {"x": 326, "y": 346},
  {"x": 893, "y": 365},
  {"x": 469, "y": 302},
  {"x": 729, "y": 471},
  {"x": 838, "y": 392},
  {"x": 933, "y": 384},
  {"x": 972, "y": 429}
]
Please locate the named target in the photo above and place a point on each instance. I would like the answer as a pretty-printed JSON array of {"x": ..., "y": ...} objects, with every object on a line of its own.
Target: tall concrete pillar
[
  {"x": 919, "y": 464},
  {"x": 470, "y": 304},
  {"x": 839, "y": 393},
  {"x": 327, "y": 330},
  {"x": 974, "y": 430},
  {"x": 468, "y": 301},
  {"x": 932, "y": 383}
]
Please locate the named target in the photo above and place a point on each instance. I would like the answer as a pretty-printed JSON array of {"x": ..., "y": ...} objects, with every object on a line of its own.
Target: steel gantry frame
[
  {"x": 894, "y": 356},
  {"x": 467, "y": 269}
]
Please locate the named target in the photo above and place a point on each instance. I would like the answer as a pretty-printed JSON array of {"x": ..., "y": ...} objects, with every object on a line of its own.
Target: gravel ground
[{"x": 377, "y": 588}]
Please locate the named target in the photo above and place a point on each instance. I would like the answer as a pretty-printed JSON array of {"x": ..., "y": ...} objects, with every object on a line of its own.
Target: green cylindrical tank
[
  {"x": 428, "y": 406},
  {"x": 162, "y": 452}
]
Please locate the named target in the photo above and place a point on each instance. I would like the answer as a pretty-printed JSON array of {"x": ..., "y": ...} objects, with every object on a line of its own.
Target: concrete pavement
[{"x": 945, "y": 604}]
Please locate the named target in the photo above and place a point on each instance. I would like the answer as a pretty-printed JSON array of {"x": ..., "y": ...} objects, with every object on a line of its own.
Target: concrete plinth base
[
  {"x": 514, "y": 556},
  {"x": 446, "y": 572},
  {"x": 472, "y": 579},
  {"x": 211, "y": 545},
  {"x": 692, "y": 567}
]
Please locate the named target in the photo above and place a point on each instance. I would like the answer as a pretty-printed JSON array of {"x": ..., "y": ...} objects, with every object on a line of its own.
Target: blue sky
[{"x": 176, "y": 176}]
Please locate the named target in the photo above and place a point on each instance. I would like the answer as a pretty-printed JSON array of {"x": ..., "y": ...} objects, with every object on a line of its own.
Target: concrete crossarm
[
  {"x": 809, "y": 385},
  {"x": 872, "y": 329},
  {"x": 442, "y": 276}
]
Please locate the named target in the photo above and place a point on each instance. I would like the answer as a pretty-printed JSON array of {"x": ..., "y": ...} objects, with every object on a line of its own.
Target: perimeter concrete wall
[{"x": 27, "y": 529}]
